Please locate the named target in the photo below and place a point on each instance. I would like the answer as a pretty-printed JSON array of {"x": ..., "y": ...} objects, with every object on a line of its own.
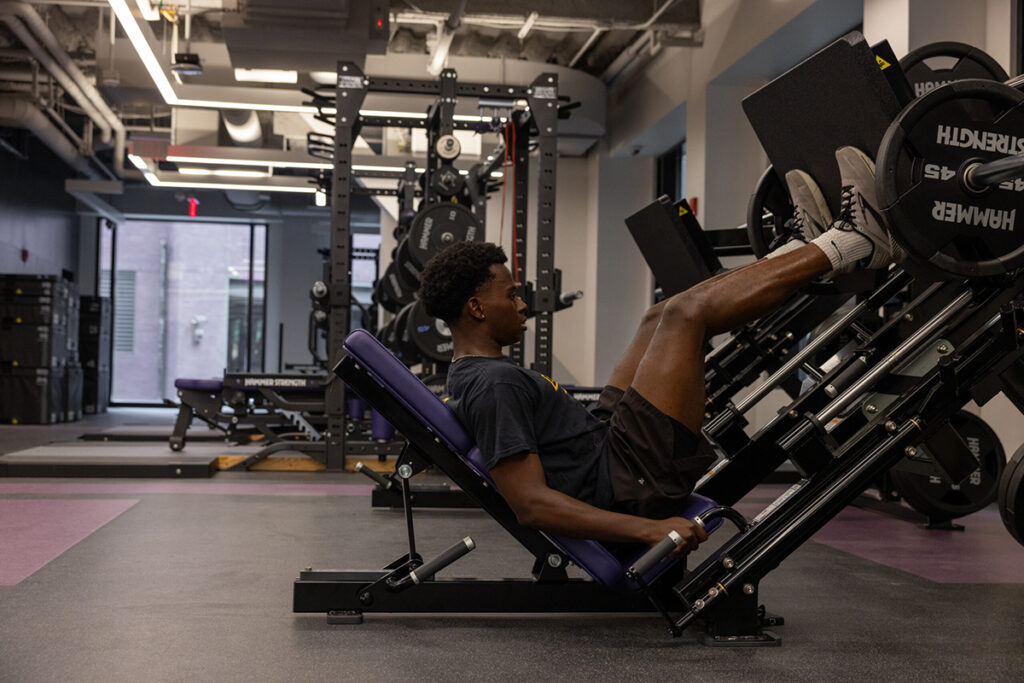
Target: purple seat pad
[
  {"x": 388, "y": 371},
  {"x": 206, "y": 385}
]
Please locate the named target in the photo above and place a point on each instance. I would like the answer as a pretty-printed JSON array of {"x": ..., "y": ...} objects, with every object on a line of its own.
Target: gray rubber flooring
[{"x": 196, "y": 585}]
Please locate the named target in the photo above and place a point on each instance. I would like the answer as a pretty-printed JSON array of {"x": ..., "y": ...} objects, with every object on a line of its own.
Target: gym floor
[{"x": 125, "y": 579}]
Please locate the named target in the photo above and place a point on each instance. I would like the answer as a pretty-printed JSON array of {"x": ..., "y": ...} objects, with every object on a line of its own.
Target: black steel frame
[{"x": 541, "y": 122}]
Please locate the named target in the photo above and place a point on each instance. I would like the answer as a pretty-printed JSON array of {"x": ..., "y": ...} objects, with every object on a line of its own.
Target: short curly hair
[{"x": 454, "y": 274}]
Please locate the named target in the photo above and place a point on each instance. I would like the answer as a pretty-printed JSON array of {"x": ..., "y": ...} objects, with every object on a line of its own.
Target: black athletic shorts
[{"x": 654, "y": 460}]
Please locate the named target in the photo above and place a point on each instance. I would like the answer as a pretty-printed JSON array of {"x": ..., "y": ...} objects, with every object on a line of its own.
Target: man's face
[{"x": 504, "y": 310}]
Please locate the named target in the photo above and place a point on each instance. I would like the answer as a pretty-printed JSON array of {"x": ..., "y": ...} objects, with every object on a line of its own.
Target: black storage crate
[
  {"x": 31, "y": 395},
  {"x": 33, "y": 346},
  {"x": 74, "y": 384},
  {"x": 95, "y": 390}
]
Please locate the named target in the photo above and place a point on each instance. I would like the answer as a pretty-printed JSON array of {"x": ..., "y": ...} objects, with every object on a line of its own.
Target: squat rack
[{"x": 540, "y": 121}]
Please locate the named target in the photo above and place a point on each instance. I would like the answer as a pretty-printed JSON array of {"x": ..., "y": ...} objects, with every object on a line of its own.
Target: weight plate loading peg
[
  {"x": 935, "y": 496},
  {"x": 438, "y": 226},
  {"x": 954, "y": 213},
  {"x": 449, "y": 148},
  {"x": 925, "y": 71}
]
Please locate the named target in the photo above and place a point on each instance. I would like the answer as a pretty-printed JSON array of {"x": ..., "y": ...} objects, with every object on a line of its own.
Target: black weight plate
[
  {"x": 1011, "y": 496},
  {"x": 382, "y": 296},
  {"x": 436, "y": 382},
  {"x": 392, "y": 287},
  {"x": 430, "y": 335},
  {"x": 970, "y": 63},
  {"x": 385, "y": 333},
  {"x": 402, "y": 343},
  {"x": 941, "y": 224},
  {"x": 438, "y": 226},
  {"x": 407, "y": 270},
  {"x": 768, "y": 214},
  {"x": 935, "y": 496}
]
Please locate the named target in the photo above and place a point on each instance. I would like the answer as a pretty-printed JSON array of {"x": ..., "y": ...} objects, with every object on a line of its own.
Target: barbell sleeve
[
  {"x": 381, "y": 480},
  {"x": 435, "y": 565},
  {"x": 983, "y": 175},
  {"x": 654, "y": 555},
  {"x": 568, "y": 297}
]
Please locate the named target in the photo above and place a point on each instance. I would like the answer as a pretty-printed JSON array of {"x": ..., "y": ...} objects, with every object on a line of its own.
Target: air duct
[
  {"x": 20, "y": 112},
  {"x": 243, "y": 126}
]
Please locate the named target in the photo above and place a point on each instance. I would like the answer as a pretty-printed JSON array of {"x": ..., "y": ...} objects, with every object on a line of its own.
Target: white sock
[
  {"x": 843, "y": 247},
  {"x": 786, "y": 248}
]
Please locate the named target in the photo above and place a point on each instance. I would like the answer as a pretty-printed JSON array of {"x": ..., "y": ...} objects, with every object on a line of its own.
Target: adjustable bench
[
  {"x": 435, "y": 437},
  {"x": 280, "y": 408}
]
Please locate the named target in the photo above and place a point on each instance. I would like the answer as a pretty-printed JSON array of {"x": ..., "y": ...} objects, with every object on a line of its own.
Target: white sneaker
[
  {"x": 811, "y": 215},
  {"x": 858, "y": 210}
]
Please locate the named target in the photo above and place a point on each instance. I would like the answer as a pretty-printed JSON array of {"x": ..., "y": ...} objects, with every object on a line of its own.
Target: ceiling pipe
[
  {"x": 51, "y": 66},
  {"x": 108, "y": 119},
  {"x": 20, "y": 112},
  {"x": 446, "y": 32}
]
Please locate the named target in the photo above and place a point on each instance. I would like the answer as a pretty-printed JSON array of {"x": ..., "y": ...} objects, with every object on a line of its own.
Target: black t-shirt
[{"x": 511, "y": 410}]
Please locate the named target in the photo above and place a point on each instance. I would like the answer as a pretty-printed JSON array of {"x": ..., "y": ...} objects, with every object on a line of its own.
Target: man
[{"x": 619, "y": 473}]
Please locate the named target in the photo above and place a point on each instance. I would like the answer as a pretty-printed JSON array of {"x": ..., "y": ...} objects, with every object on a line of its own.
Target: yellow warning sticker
[
  {"x": 882, "y": 64},
  {"x": 683, "y": 211}
]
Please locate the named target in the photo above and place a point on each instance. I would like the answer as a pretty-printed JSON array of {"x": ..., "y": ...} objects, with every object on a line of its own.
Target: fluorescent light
[
  {"x": 138, "y": 40},
  {"x": 149, "y": 13},
  {"x": 266, "y": 76},
  {"x": 158, "y": 182},
  {"x": 316, "y": 165},
  {"x": 138, "y": 162},
  {"x": 221, "y": 172},
  {"x": 383, "y": 169},
  {"x": 320, "y": 198},
  {"x": 390, "y": 114},
  {"x": 163, "y": 84}
]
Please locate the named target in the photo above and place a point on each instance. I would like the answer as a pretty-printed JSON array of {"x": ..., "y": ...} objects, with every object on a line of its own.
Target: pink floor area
[
  {"x": 34, "y": 532},
  {"x": 183, "y": 487},
  {"x": 983, "y": 553}
]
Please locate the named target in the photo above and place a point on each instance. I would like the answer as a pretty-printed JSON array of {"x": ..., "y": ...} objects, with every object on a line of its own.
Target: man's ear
[{"x": 475, "y": 308}]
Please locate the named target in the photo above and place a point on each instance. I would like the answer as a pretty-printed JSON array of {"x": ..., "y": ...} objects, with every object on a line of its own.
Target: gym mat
[
  {"x": 115, "y": 459},
  {"x": 149, "y": 433}
]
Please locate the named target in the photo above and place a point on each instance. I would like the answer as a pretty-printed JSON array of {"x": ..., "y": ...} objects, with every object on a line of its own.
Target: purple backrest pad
[{"x": 393, "y": 375}]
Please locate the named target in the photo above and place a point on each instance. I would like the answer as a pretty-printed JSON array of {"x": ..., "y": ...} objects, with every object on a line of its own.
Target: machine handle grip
[
  {"x": 441, "y": 561},
  {"x": 705, "y": 518},
  {"x": 654, "y": 555},
  {"x": 381, "y": 480}
]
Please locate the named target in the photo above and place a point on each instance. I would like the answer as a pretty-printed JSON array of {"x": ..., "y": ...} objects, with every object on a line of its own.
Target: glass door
[{"x": 188, "y": 302}]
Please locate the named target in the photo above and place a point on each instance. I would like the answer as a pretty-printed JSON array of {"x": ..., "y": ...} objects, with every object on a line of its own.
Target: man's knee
[{"x": 687, "y": 308}]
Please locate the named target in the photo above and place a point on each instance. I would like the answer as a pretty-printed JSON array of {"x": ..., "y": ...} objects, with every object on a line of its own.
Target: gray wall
[{"x": 36, "y": 215}]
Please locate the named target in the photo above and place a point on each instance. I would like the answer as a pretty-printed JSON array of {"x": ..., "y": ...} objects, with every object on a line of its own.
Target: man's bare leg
[
  {"x": 624, "y": 372},
  {"x": 670, "y": 372}
]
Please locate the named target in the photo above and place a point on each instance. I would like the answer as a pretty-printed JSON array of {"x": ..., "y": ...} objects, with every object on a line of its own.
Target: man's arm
[{"x": 521, "y": 481}]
